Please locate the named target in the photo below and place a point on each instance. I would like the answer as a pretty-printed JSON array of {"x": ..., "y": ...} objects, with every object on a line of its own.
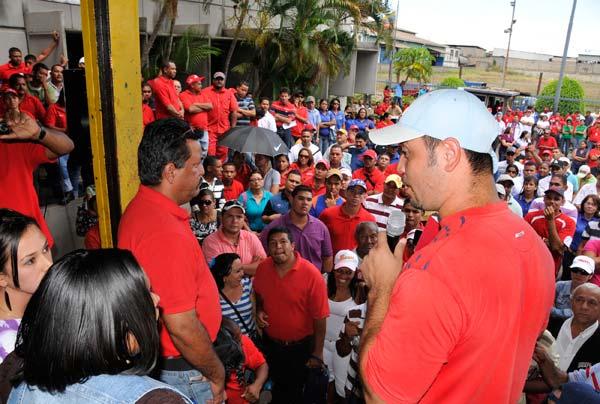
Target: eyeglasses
[
  {"x": 255, "y": 179},
  {"x": 205, "y": 202},
  {"x": 579, "y": 271},
  {"x": 218, "y": 79}
]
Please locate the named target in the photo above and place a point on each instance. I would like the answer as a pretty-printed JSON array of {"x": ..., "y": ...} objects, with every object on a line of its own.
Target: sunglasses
[
  {"x": 578, "y": 271},
  {"x": 218, "y": 79},
  {"x": 511, "y": 172},
  {"x": 205, "y": 202},
  {"x": 303, "y": 156}
]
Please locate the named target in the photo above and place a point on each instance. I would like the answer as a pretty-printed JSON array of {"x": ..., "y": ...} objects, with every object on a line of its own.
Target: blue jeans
[
  {"x": 324, "y": 142},
  {"x": 190, "y": 383},
  {"x": 64, "y": 174},
  {"x": 286, "y": 136},
  {"x": 564, "y": 145}
]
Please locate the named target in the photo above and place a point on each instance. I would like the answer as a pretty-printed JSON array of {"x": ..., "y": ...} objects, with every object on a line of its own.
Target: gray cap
[{"x": 310, "y": 98}]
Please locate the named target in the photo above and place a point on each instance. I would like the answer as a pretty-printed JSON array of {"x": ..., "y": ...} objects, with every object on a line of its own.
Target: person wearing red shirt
[
  {"x": 147, "y": 112},
  {"x": 21, "y": 152},
  {"x": 285, "y": 116},
  {"x": 318, "y": 182},
  {"x": 554, "y": 227},
  {"x": 386, "y": 120},
  {"x": 14, "y": 65},
  {"x": 546, "y": 142},
  {"x": 593, "y": 133},
  {"x": 369, "y": 173},
  {"x": 292, "y": 309},
  {"x": 305, "y": 165},
  {"x": 233, "y": 188},
  {"x": 301, "y": 116},
  {"x": 156, "y": 230},
  {"x": 196, "y": 106},
  {"x": 383, "y": 107},
  {"x": 594, "y": 156},
  {"x": 166, "y": 99},
  {"x": 433, "y": 322},
  {"x": 27, "y": 103},
  {"x": 222, "y": 116},
  {"x": 342, "y": 220}
]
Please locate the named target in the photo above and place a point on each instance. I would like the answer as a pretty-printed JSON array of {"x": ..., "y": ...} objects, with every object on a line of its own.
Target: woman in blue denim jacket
[{"x": 90, "y": 335}]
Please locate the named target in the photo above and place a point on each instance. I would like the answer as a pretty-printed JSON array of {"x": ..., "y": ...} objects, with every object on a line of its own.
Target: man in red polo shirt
[
  {"x": 285, "y": 116},
  {"x": 196, "y": 107},
  {"x": 434, "y": 322},
  {"x": 292, "y": 309},
  {"x": 166, "y": 99},
  {"x": 546, "y": 142},
  {"x": 554, "y": 227},
  {"x": 27, "y": 103},
  {"x": 222, "y": 116},
  {"x": 21, "y": 152},
  {"x": 369, "y": 173},
  {"x": 233, "y": 188},
  {"x": 342, "y": 220},
  {"x": 157, "y": 231}
]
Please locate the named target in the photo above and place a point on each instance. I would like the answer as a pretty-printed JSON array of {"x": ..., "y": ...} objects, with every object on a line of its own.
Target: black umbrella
[{"x": 250, "y": 139}]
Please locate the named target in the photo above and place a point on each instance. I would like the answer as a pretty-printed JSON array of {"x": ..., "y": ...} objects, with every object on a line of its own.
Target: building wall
[{"x": 471, "y": 52}]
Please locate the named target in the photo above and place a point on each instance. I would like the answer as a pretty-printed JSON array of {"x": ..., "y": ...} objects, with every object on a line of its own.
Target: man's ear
[
  {"x": 451, "y": 153},
  {"x": 169, "y": 173}
]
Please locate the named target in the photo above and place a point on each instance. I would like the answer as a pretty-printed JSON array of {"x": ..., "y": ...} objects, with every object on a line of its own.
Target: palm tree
[
  {"x": 414, "y": 62},
  {"x": 168, "y": 9}
]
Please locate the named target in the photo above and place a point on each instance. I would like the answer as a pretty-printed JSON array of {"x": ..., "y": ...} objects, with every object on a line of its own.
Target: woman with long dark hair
[
  {"x": 205, "y": 219},
  {"x": 90, "y": 333},
  {"x": 305, "y": 165},
  {"x": 24, "y": 260}
]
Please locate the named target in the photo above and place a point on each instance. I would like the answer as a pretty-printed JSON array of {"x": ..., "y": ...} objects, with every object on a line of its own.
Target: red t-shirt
[
  {"x": 464, "y": 314},
  {"x": 223, "y": 104},
  {"x": 18, "y": 161},
  {"x": 253, "y": 360},
  {"x": 288, "y": 110},
  {"x": 341, "y": 226},
  {"x": 164, "y": 95},
  {"x": 593, "y": 153},
  {"x": 7, "y": 70},
  {"x": 594, "y": 134},
  {"x": 56, "y": 116},
  {"x": 147, "y": 114},
  {"x": 302, "y": 112},
  {"x": 158, "y": 233},
  {"x": 292, "y": 302},
  {"x": 374, "y": 180},
  {"x": 198, "y": 120},
  {"x": 383, "y": 124},
  {"x": 243, "y": 175},
  {"x": 233, "y": 191},
  {"x": 564, "y": 225},
  {"x": 381, "y": 108},
  {"x": 306, "y": 174},
  {"x": 546, "y": 144},
  {"x": 33, "y": 106},
  {"x": 92, "y": 238}
]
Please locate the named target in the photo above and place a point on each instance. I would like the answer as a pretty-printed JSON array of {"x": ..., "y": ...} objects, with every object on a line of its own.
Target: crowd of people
[{"x": 271, "y": 277}]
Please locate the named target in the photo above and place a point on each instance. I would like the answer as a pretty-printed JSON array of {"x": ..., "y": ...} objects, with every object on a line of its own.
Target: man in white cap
[
  {"x": 430, "y": 327},
  {"x": 508, "y": 183}
]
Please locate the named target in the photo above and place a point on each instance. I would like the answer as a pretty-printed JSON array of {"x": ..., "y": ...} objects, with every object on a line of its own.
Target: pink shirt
[
  {"x": 594, "y": 246},
  {"x": 248, "y": 246}
]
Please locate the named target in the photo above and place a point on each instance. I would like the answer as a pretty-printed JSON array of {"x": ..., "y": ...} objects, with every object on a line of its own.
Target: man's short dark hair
[
  {"x": 279, "y": 230},
  {"x": 530, "y": 163},
  {"x": 301, "y": 188},
  {"x": 30, "y": 58},
  {"x": 12, "y": 81},
  {"x": 79, "y": 321},
  {"x": 336, "y": 146},
  {"x": 13, "y": 50},
  {"x": 294, "y": 172},
  {"x": 229, "y": 163},
  {"x": 561, "y": 177},
  {"x": 409, "y": 201},
  {"x": 362, "y": 135},
  {"x": 209, "y": 161},
  {"x": 243, "y": 83},
  {"x": 164, "y": 141},
  {"x": 481, "y": 163},
  {"x": 261, "y": 99},
  {"x": 165, "y": 63},
  {"x": 55, "y": 65},
  {"x": 284, "y": 90},
  {"x": 37, "y": 67}
]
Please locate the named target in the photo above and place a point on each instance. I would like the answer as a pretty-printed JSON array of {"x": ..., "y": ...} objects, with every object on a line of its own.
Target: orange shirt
[
  {"x": 164, "y": 95},
  {"x": 158, "y": 233},
  {"x": 465, "y": 313},
  {"x": 233, "y": 191},
  {"x": 198, "y": 120},
  {"x": 292, "y": 302},
  {"x": 223, "y": 104},
  {"x": 341, "y": 226}
]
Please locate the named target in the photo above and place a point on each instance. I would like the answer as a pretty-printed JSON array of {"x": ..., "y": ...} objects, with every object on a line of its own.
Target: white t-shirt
[
  {"x": 267, "y": 122},
  {"x": 314, "y": 149},
  {"x": 587, "y": 189}
]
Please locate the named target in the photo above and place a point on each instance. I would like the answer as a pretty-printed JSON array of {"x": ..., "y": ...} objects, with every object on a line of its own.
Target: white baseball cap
[
  {"x": 442, "y": 114},
  {"x": 583, "y": 171},
  {"x": 345, "y": 259},
  {"x": 585, "y": 263},
  {"x": 500, "y": 189}
]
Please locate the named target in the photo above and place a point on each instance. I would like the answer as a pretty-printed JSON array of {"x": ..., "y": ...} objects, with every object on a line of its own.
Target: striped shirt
[
  {"x": 374, "y": 204},
  {"x": 217, "y": 187},
  {"x": 353, "y": 382},
  {"x": 288, "y": 110},
  {"x": 246, "y": 104},
  {"x": 243, "y": 306},
  {"x": 589, "y": 375}
]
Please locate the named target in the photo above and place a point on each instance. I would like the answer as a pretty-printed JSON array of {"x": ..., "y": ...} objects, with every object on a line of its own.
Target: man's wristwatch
[{"x": 42, "y": 134}]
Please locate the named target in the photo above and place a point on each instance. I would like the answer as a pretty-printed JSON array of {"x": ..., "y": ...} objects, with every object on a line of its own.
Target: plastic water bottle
[{"x": 395, "y": 227}]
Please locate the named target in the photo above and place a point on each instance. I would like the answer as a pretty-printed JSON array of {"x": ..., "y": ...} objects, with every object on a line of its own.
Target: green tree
[
  {"x": 452, "y": 82},
  {"x": 571, "y": 96},
  {"x": 415, "y": 63}
]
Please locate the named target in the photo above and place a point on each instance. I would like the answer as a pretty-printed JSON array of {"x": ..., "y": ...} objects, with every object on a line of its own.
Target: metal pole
[
  {"x": 563, "y": 62},
  {"x": 510, "y": 30},
  {"x": 393, "y": 42},
  {"x": 537, "y": 92}
]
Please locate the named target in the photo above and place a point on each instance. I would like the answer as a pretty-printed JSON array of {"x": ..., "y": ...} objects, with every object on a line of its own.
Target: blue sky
[{"x": 541, "y": 25}]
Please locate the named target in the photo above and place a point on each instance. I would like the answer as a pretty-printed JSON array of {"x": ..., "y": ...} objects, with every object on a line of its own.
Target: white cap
[
  {"x": 345, "y": 259},
  {"x": 565, "y": 160},
  {"x": 82, "y": 60},
  {"x": 505, "y": 177},
  {"x": 585, "y": 263},
  {"x": 442, "y": 114},
  {"x": 500, "y": 189},
  {"x": 583, "y": 171},
  {"x": 346, "y": 171}
]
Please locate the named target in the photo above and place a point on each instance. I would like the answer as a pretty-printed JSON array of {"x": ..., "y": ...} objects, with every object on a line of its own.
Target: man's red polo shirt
[
  {"x": 465, "y": 313},
  {"x": 198, "y": 120},
  {"x": 546, "y": 144},
  {"x": 594, "y": 134},
  {"x": 302, "y": 112},
  {"x": 233, "y": 191},
  {"x": 564, "y": 225},
  {"x": 223, "y": 104},
  {"x": 56, "y": 116},
  {"x": 288, "y": 110},
  {"x": 18, "y": 161},
  {"x": 164, "y": 95},
  {"x": 374, "y": 179},
  {"x": 7, "y": 70},
  {"x": 158, "y": 233},
  {"x": 33, "y": 106},
  {"x": 292, "y": 302},
  {"x": 341, "y": 226}
]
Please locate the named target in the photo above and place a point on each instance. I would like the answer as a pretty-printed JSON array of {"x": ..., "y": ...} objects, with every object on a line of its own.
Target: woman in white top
[
  {"x": 265, "y": 118},
  {"x": 341, "y": 289}
]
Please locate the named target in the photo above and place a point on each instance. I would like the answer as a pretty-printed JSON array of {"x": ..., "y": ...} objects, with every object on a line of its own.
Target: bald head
[
  {"x": 365, "y": 227},
  {"x": 587, "y": 289},
  {"x": 585, "y": 303}
]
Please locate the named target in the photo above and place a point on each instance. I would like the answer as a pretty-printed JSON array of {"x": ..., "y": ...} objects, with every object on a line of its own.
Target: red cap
[
  {"x": 193, "y": 78},
  {"x": 353, "y": 127},
  {"x": 369, "y": 153},
  {"x": 11, "y": 91},
  {"x": 546, "y": 152},
  {"x": 324, "y": 162},
  {"x": 308, "y": 126}
]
